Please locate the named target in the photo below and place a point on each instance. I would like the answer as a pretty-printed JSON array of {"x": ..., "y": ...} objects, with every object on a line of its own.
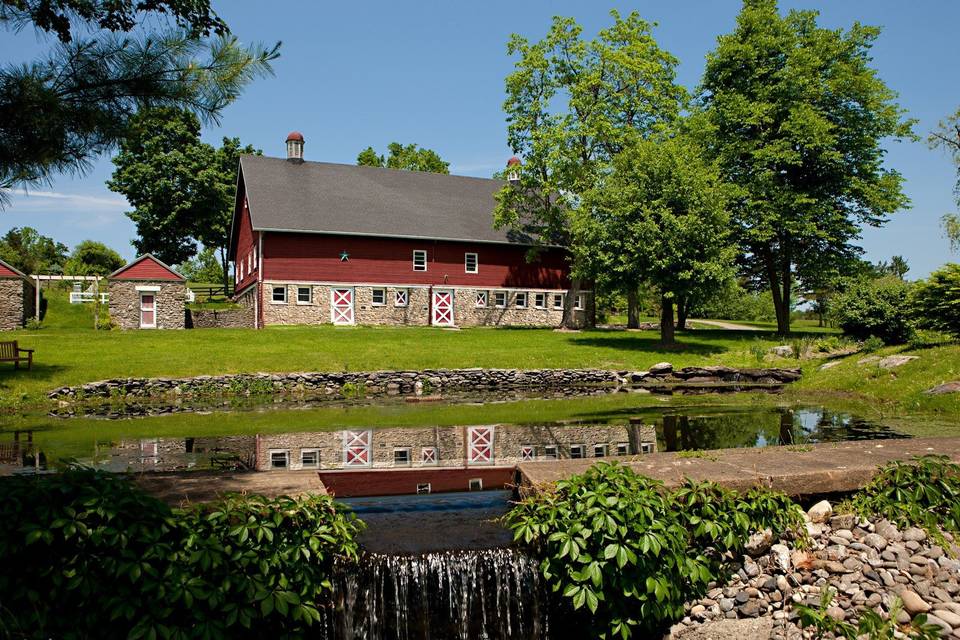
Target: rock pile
[{"x": 867, "y": 564}]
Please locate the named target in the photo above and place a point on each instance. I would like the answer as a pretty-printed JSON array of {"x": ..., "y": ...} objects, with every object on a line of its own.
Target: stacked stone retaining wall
[
  {"x": 241, "y": 318},
  {"x": 16, "y": 303}
]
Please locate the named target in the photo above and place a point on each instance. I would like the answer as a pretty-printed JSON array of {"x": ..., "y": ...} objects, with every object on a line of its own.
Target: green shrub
[
  {"x": 620, "y": 546},
  {"x": 87, "y": 554},
  {"x": 871, "y": 344},
  {"x": 924, "y": 492},
  {"x": 870, "y": 625},
  {"x": 935, "y": 302},
  {"x": 924, "y": 339},
  {"x": 878, "y": 307}
]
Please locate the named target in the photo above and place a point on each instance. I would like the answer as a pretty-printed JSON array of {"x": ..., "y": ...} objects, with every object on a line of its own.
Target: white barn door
[
  {"x": 442, "y": 308},
  {"x": 341, "y": 306}
]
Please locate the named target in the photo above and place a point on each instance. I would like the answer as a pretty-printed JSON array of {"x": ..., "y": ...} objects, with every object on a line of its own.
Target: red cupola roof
[
  {"x": 513, "y": 161},
  {"x": 295, "y": 135}
]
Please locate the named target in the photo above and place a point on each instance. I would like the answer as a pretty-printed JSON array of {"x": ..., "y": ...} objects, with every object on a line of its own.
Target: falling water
[{"x": 489, "y": 594}]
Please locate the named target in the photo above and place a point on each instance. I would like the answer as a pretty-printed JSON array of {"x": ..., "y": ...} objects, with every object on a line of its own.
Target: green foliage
[
  {"x": 407, "y": 157},
  {"x": 871, "y": 344},
  {"x": 353, "y": 390},
  {"x": 870, "y": 625},
  {"x": 924, "y": 492},
  {"x": 935, "y": 302},
  {"x": 951, "y": 228},
  {"x": 86, "y": 554},
  {"x": 204, "y": 267},
  {"x": 797, "y": 118},
  {"x": 759, "y": 351},
  {"x": 26, "y": 249},
  {"x": 879, "y": 307},
  {"x": 92, "y": 258},
  {"x": 732, "y": 301},
  {"x": 619, "y": 546}
]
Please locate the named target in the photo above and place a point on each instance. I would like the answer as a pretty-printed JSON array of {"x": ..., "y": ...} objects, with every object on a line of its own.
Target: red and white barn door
[
  {"x": 148, "y": 311},
  {"x": 341, "y": 306},
  {"x": 356, "y": 448},
  {"x": 442, "y": 308},
  {"x": 480, "y": 445}
]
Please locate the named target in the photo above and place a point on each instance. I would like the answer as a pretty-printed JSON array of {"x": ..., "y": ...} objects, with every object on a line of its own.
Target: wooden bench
[{"x": 11, "y": 352}]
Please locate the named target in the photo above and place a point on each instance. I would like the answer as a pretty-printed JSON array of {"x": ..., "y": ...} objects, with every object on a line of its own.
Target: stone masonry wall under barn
[
  {"x": 125, "y": 303},
  {"x": 16, "y": 303},
  {"x": 220, "y": 318}
]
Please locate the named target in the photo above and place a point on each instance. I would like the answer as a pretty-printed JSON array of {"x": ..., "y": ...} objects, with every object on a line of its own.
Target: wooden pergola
[{"x": 38, "y": 278}]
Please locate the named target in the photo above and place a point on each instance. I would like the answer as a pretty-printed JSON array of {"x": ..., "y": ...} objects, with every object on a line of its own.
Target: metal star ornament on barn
[{"x": 344, "y": 256}]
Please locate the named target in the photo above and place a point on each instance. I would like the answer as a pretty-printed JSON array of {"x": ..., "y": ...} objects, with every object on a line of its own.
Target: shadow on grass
[
  {"x": 633, "y": 342},
  {"x": 39, "y": 371}
]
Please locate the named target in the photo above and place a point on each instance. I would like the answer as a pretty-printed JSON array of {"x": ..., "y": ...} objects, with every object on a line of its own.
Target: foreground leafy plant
[
  {"x": 923, "y": 492},
  {"x": 620, "y": 546},
  {"x": 871, "y": 624},
  {"x": 86, "y": 554}
]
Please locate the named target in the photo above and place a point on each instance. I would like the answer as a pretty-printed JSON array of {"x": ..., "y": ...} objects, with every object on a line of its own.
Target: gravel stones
[
  {"x": 820, "y": 512},
  {"x": 913, "y": 603}
]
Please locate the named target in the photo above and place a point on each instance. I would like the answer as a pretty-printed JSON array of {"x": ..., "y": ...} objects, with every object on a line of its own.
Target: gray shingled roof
[{"x": 322, "y": 197}]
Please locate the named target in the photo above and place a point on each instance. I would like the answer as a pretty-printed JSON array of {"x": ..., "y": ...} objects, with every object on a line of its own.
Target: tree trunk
[
  {"x": 781, "y": 297},
  {"x": 682, "y": 304},
  {"x": 666, "y": 321},
  {"x": 226, "y": 268},
  {"x": 569, "y": 320},
  {"x": 633, "y": 308}
]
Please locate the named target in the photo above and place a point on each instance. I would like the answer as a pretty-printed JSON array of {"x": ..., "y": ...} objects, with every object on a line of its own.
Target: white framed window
[
  {"x": 379, "y": 297},
  {"x": 241, "y": 269},
  {"x": 577, "y": 451},
  {"x": 401, "y": 457},
  {"x": 429, "y": 455},
  {"x": 540, "y": 300},
  {"x": 401, "y": 297},
  {"x": 279, "y": 459},
  {"x": 558, "y": 301},
  {"x": 279, "y": 295},
  {"x": 500, "y": 299},
  {"x": 471, "y": 263},
  {"x": 309, "y": 458},
  {"x": 599, "y": 451},
  {"x": 419, "y": 260},
  {"x": 520, "y": 300},
  {"x": 528, "y": 452},
  {"x": 623, "y": 448},
  {"x": 255, "y": 263},
  {"x": 250, "y": 262},
  {"x": 423, "y": 488},
  {"x": 481, "y": 300},
  {"x": 304, "y": 295},
  {"x": 475, "y": 484},
  {"x": 646, "y": 447},
  {"x": 550, "y": 452},
  {"x": 579, "y": 302}
]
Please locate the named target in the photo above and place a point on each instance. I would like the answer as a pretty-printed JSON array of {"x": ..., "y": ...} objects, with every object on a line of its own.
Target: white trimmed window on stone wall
[
  {"x": 481, "y": 300},
  {"x": 550, "y": 452},
  {"x": 401, "y": 457},
  {"x": 310, "y": 458},
  {"x": 279, "y": 295},
  {"x": 577, "y": 451},
  {"x": 646, "y": 447},
  {"x": 279, "y": 459},
  {"x": 304, "y": 295},
  {"x": 599, "y": 451},
  {"x": 623, "y": 448},
  {"x": 540, "y": 300},
  {"x": 520, "y": 300},
  {"x": 378, "y": 297},
  {"x": 579, "y": 302},
  {"x": 528, "y": 452},
  {"x": 419, "y": 260},
  {"x": 401, "y": 298},
  {"x": 500, "y": 299},
  {"x": 471, "y": 263},
  {"x": 558, "y": 301},
  {"x": 429, "y": 456}
]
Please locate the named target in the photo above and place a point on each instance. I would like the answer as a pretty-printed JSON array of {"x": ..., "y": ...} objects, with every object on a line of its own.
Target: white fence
[{"x": 79, "y": 297}]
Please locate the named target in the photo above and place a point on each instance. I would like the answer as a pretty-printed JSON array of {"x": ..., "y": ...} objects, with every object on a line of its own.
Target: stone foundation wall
[
  {"x": 220, "y": 318},
  {"x": 125, "y": 304},
  {"x": 16, "y": 303}
]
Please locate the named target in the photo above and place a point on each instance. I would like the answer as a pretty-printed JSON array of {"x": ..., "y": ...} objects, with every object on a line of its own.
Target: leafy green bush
[
  {"x": 620, "y": 546},
  {"x": 870, "y": 625},
  {"x": 936, "y": 301},
  {"x": 86, "y": 554},
  {"x": 924, "y": 492},
  {"x": 878, "y": 307},
  {"x": 871, "y": 344}
]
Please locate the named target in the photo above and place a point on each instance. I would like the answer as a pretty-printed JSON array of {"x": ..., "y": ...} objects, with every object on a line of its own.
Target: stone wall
[
  {"x": 125, "y": 303},
  {"x": 16, "y": 303},
  {"x": 220, "y": 318}
]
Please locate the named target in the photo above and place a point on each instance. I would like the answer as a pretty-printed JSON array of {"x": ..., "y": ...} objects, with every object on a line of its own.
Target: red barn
[{"x": 316, "y": 242}]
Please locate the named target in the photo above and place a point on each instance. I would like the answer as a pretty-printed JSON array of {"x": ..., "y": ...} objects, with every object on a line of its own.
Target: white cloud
[{"x": 72, "y": 200}]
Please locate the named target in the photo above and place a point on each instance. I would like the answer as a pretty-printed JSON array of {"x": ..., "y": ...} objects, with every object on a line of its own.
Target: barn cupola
[
  {"x": 295, "y": 147},
  {"x": 513, "y": 170}
]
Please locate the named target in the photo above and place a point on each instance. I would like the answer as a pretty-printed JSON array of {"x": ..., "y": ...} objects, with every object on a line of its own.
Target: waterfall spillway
[{"x": 489, "y": 594}]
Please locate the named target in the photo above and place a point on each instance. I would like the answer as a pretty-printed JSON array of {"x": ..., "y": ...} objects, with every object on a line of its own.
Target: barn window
[
  {"x": 481, "y": 299},
  {"x": 579, "y": 302},
  {"x": 521, "y": 300},
  {"x": 309, "y": 458},
  {"x": 400, "y": 298},
  {"x": 429, "y": 455},
  {"x": 401, "y": 457},
  {"x": 304, "y": 295},
  {"x": 419, "y": 260},
  {"x": 623, "y": 448},
  {"x": 379, "y": 297},
  {"x": 470, "y": 262},
  {"x": 279, "y": 459},
  {"x": 527, "y": 452},
  {"x": 540, "y": 300},
  {"x": 280, "y": 295},
  {"x": 558, "y": 301},
  {"x": 500, "y": 299},
  {"x": 599, "y": 451},
  {"x": 646, "y": 447},
  {"x": 550, "y": 452},
  {"x": 577, "y": 451}
]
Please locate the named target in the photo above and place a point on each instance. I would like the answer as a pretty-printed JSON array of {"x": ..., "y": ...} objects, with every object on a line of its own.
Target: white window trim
[
  {"x": 516, "y": 299},
  {"x": 506, "y": 299},
  {"x": 315, "y": 465},
  {"x": 583, "y": 451},
  {"x": 554, "y": 448},
  {"x": 542, "y": 305},
  {"x": 466, "y": 262},
  {"x": 578, "y": 302},
  {"x": 601, "y": 447},
  {"x": 286, "y": 454},
  {"x": 646, "y": 447},
  {"x": 148, "y": 288},
  {"x": 155, "y": 310},
  {"x": 409, "y": 461},
  {"x": 285, "y": 293},
  {"x": 424, "y": 254},
  {"x": 436, "y": 456},
  {"x": 562, "y": 297},
  {"x": 406, "y": 297},
  {"x": 624, "y": 447},
  {"x": 308, "y": 288},
  {"x": 373, "y": 302},
  {"x": 486, "y": 299}
]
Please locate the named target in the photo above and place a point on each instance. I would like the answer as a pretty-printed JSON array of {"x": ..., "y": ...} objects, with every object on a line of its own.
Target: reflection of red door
[
  {"x": 341, "y": 306},
  {"x": 148, "y": 311},
  {"x": 442, "y": 308},
  {"x": 479, "y": 445},
  {"x": 356, "y": 448}
]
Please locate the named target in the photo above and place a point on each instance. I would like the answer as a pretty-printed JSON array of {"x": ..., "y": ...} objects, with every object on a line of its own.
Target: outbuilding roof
[
  {"x": 146, "y": 267},
  {"x": 7, "y": 270},
  {"x": 323, "y": 197}
]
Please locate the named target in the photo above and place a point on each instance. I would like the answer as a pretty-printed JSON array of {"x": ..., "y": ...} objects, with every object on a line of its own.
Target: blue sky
[{"x": 367, "y": 73}]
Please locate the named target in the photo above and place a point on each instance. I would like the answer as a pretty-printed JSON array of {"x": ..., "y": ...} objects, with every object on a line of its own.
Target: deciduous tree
[
  {"x": 92, "y": 258},
  {"x": 29, "y": 251},
  {"x": 797, "y": 117},
  {"x": 407, "y": 157}
]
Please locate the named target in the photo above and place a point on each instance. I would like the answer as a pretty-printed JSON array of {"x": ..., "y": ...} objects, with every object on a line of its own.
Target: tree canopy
[
  {"x": 28, "y": 250},
  {"x": 92, "y": 258},
  {"x": 76, "y": 102},
  {"x": 796, "y": 117},
  {"x": 408, "y": 157}
]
